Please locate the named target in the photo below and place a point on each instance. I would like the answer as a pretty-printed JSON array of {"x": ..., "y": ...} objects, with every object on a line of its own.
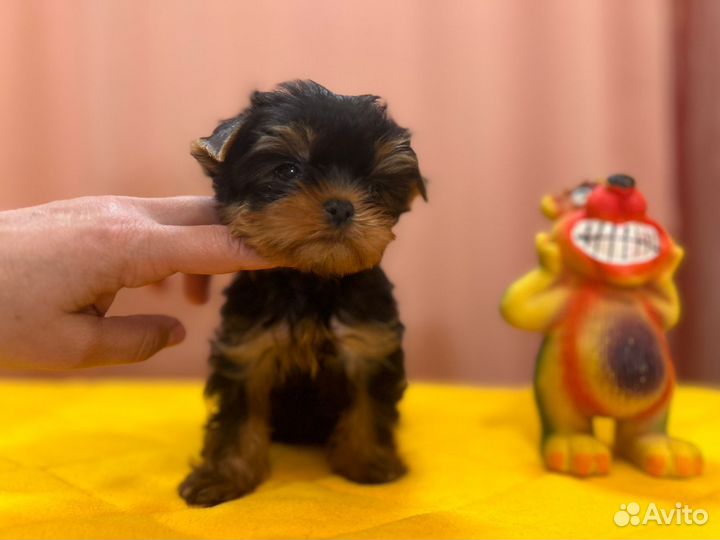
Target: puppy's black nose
[
  {"x": 622, "y": 181},
  {"x": 339, "y": 211}
]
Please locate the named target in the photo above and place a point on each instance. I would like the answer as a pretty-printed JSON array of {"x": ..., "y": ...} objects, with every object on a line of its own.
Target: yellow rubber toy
[{"x": 603, "y": 296}]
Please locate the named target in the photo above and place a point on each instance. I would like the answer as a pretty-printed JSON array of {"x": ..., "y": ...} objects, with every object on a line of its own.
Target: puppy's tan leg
[
  {"x": 362, "y": 447},
  {"x": 235, "y": 452}
]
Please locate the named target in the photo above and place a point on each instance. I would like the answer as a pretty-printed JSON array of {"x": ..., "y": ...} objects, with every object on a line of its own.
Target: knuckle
[
  {"x": 218, "y": 243},
  {"x": 114, "y": 224},
  {"x": 80, "y": 343},
  {"x": 231, "y": 246}
]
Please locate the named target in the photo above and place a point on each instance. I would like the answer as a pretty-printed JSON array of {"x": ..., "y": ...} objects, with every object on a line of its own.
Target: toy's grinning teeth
[{"x": 621, "y": 244}]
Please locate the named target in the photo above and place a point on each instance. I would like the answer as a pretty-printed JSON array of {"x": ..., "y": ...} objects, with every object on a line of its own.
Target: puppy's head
[{"x": 312, "y": 179}]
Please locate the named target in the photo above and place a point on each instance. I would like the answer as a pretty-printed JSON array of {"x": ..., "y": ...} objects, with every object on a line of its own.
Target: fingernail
[{"x": 177, "y": 335}]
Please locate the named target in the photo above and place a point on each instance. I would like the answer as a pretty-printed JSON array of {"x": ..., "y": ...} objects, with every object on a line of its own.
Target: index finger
[
  {"x": 202, "y": 249},
  {"x": 184, "y": 210}
]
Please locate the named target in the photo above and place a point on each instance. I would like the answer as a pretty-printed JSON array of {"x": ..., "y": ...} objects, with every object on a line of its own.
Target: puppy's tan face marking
[
  {"x": 395, "y": 157},
  {"x": 311, "y": 179},
  {"x": 294, "y": 231},
  {"x": 291, "y": 140}
]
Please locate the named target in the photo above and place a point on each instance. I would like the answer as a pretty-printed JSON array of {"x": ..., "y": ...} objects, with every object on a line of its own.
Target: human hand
[{"x": 63, "y": 263}]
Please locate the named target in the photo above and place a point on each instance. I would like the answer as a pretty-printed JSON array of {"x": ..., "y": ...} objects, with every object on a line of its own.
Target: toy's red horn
[{"x": 617, "y": 200}]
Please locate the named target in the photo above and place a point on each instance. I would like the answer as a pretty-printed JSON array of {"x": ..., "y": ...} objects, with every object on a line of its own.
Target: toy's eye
[
  {"x": 288, "y": 171},
  {"x": 580, "y": 195}
]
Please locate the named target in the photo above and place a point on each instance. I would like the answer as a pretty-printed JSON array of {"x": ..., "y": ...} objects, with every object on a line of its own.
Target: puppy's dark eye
[{"x": 288, "y": 171}]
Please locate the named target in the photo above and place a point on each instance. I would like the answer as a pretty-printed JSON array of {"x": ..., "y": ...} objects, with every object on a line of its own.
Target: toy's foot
[
  {"x": 578, "y": 454},
  {"x": 659, "y": 455}
]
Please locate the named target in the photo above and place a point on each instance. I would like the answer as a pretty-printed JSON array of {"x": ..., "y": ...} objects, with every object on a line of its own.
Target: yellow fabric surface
[{"x": 103, "y": 459}]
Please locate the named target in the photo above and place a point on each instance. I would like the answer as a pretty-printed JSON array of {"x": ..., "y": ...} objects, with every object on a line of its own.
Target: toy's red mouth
[{"x": 621, "y": 244}]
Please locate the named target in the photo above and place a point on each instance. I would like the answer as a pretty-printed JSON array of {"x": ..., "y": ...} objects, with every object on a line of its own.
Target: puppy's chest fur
[{"x": 307, "y": 341}]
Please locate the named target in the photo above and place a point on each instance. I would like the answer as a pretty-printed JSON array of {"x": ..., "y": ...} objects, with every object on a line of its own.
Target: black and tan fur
[{"x": 311, "y": 352}]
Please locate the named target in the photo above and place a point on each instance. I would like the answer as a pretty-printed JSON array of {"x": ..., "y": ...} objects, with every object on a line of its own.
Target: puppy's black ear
[
  {"x": 211, "y": 151},
  {"x": 422, "y": 187}
]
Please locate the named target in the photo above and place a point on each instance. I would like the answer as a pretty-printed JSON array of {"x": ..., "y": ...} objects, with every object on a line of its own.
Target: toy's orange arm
[
  {"x": 536, "y": 300},
  {"x": 662, "y": 293}
]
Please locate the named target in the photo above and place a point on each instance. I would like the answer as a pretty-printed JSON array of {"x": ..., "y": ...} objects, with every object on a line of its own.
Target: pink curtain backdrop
[
  {"x": 698, "y": 107},
  {"x": 507, "y": 99}
]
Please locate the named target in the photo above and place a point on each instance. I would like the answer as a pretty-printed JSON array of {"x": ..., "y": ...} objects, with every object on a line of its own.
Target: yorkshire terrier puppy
[{"x": 311, "y": 352}]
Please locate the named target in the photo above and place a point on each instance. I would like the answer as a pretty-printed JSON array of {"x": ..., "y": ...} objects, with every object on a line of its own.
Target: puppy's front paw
[
  {"x": 208, "y": 487},
  {"x": 378, "y": 467}
]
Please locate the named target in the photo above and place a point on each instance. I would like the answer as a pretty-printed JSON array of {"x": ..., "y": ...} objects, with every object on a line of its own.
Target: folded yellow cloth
[{"x": 103, "y": 459}]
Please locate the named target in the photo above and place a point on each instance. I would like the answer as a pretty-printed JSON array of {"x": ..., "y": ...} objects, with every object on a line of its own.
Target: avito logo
[{"x": 681, "y": 514}]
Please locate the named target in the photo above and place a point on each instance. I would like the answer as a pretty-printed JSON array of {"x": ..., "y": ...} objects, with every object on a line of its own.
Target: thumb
[{"x": 124, "y": 340}]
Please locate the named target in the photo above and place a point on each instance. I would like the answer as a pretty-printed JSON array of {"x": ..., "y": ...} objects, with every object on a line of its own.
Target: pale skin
[{"x": 63, "y": 263}]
